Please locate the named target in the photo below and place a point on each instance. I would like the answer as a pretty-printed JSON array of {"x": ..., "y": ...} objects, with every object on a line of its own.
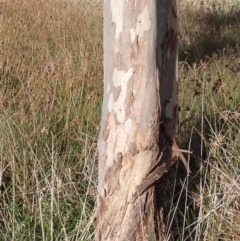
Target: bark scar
[{"x": 158, "y": 169}]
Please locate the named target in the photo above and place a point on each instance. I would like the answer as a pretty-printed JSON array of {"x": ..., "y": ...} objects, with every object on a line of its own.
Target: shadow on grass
[{"x": 210, "y": 32}]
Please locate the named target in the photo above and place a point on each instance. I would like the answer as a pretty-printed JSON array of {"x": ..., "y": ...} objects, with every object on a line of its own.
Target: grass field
[{"x": 50, "y": 104}]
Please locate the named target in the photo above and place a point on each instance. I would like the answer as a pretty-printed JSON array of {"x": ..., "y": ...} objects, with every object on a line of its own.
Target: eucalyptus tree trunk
[{"x": 137, "y": 141}]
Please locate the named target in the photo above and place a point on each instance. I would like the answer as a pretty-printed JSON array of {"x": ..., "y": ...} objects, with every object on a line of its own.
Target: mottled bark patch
[{"x": 140, "y": 79}]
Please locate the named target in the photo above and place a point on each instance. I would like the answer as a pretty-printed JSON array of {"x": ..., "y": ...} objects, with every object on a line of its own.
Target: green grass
[
  {"x": 50, "y": 104},
  {"x": 51, "y": 78},
  {"x": 205, "y": 206}
]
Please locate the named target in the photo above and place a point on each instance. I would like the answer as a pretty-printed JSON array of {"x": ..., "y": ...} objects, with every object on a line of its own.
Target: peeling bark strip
[{"x": 137, "y": 141}]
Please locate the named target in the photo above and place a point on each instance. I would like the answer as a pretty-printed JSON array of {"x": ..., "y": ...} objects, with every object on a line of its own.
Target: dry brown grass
[
  {"x": 202, "y": 206},
  {"x": 51, "y": 78},
  {"x": 50, "y": 103}
]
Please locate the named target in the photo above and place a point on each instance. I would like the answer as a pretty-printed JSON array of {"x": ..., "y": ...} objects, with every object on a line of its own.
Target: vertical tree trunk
[{"x": 139, "y": 117}]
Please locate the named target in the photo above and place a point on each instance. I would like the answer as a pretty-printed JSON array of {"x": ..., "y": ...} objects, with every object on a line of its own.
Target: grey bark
[{"x": 137, "y": 140}]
